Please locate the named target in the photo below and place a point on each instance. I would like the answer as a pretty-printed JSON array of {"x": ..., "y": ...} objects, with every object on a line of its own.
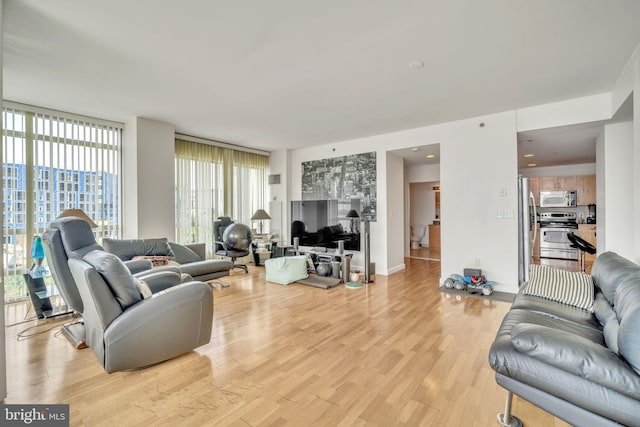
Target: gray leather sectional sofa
[
  {"x": 580, "y": 366},
  {"x": 190, "y": 257}
]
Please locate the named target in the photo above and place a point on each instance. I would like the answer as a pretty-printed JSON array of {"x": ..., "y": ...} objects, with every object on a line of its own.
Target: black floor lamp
[{"x": 367, "y": 252}]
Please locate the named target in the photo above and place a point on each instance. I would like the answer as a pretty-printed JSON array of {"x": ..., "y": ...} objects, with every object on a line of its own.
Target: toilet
[{"x": 417, "y": 233}]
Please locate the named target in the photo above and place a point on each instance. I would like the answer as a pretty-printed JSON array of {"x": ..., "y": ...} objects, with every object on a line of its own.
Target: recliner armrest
[
  {"x": 142, "y": 334},
  {"x": 160, "y": 280},
  {"x": 578, "y": 355},
  {"x": 138, "y": 265}
]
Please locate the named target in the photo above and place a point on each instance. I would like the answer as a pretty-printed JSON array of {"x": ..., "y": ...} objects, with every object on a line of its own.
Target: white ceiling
[{"x": 289, "y": 73}]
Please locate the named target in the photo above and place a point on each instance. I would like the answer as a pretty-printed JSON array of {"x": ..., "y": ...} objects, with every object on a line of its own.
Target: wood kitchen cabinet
[
  {"x": 558, "y": 183},
  {"x": 588, "y": 233},
  {"x": 586, "y": 186},
  {"x": 434, "y": 236}
]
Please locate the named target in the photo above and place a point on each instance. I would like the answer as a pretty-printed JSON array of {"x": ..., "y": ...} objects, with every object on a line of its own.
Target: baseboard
[{"x": 390, "y": 271}]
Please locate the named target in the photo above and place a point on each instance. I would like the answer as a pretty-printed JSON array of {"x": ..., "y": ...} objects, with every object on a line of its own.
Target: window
[
  {"x": 45, "y": 153},
  {"x": 213, "y": 181}
]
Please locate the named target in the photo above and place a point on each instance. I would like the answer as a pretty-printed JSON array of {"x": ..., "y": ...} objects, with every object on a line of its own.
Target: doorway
[{"x": 424, "y": 220}]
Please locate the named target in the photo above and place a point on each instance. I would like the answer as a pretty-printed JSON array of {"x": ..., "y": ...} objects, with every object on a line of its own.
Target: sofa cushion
[
  {"x": 183, "y": 254},
  {"x": 567, "y": 287},
  {"x": 557, "y": 310},
  {"x": 122, "y": 283},
  {"x": 602, "y": 309},
  {"x": 127, "y": 249},
  {"x": 207, "y": 266},
  {"x": 608, "y": 271},
  {"x": 576, "y": 354},
  {"x": 627, "y": 307}
]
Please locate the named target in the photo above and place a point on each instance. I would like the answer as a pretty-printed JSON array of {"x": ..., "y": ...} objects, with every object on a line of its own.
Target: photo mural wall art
[{"x": 343, "y": 178}]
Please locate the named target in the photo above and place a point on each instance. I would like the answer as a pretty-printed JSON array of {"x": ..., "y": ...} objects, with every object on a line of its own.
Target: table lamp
[
  {"x": 353, "y": 215},
  {"x": 260, "y": 215},
  {"x": 37, "y": 253}
]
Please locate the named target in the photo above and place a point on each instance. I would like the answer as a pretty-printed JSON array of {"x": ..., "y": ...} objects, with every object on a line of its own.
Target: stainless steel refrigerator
[{"x": 527, "y": 230}]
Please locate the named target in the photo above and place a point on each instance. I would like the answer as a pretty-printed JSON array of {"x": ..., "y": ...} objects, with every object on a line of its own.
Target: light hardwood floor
[{"x": 396, "y": 352}]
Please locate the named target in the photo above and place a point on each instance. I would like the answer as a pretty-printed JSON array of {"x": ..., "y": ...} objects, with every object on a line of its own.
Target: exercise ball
[
  {"x": 237, "y": 236},
  {"x": 323, "y": 269}
]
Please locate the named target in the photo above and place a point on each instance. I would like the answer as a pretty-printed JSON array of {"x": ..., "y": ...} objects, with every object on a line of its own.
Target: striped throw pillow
[{"x": 567, "y": 287}]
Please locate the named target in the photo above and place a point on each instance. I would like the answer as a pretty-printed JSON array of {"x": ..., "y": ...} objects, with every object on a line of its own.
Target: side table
[{"x": 40, "y": 295}]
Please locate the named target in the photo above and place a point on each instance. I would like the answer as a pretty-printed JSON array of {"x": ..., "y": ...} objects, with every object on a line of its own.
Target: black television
[{"x": 323, "y": 223}]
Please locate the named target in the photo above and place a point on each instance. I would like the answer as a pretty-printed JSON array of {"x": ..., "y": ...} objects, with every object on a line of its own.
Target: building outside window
[{"x": 47, "y": 157}]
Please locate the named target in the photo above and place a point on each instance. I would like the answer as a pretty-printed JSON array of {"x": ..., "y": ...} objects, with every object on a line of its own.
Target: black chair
[
  {"x": 582, "y": 246},
  {"x": 222, "y": 249}
]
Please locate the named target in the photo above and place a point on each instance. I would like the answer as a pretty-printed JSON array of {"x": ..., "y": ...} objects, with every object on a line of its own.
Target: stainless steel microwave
[{"x": 558, "y": 199}]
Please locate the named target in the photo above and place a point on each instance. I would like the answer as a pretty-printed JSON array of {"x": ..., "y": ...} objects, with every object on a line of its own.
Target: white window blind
[
  {"x": 52, "y": 162},
  {"x": 213, "y": 181}
]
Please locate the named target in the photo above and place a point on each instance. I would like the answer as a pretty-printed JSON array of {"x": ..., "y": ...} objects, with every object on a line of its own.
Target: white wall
[
  {"x": 628, "y": 83},
  {"x": 568, "y": 170},
  {"x": 148, "y": 176},
  {"x": 278, "y": 161},
  {"x": 482, "y": 162},
  {"x": 569, "y": 112},
  {"x": 423, "y": 173},
  {"x": 636, "y": 155},
  {"x": 476, "y": 163},
  {"x": 601, "y": 212},
  {"x": 395, "y": 213},
  {"x": 357, "y": 146},
  {"x": 618, "y": 189}
]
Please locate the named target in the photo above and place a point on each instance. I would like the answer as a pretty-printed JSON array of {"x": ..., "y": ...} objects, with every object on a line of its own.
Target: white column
[{"x": 148, "y": 179}]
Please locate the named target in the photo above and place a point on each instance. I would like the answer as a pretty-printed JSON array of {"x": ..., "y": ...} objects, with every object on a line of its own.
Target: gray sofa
[
  {"x": 129, "y": 328},
  {"x": 192, "y": 258},
  {"x": 580, "y": 366}
]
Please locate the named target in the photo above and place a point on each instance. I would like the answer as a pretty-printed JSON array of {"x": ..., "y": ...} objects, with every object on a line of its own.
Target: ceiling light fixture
[
  {"x": 414, "y": 149},
  {"x": 531, "y": 165},
  {"x": 528, "y": 155},
  {"x": 430, "y": 156},
  {"x": 416, "y": 65}
]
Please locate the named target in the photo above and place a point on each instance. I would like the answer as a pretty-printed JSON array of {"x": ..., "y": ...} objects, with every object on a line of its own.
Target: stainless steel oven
[{"x": 554, "y": 227}]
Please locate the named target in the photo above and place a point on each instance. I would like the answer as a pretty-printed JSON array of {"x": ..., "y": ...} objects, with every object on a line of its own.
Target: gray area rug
[
  {"x": 495, "y": 296},
  {"x": 320, "y": 281}
]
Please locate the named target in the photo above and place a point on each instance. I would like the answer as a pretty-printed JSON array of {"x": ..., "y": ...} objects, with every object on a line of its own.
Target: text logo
[{"x": 34, "y": 415}]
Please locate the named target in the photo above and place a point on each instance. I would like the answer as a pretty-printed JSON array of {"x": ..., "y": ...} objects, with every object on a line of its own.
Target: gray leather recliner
[
  {"x": 72, "y": 237},
  {"x": 126, "y": 331}
]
